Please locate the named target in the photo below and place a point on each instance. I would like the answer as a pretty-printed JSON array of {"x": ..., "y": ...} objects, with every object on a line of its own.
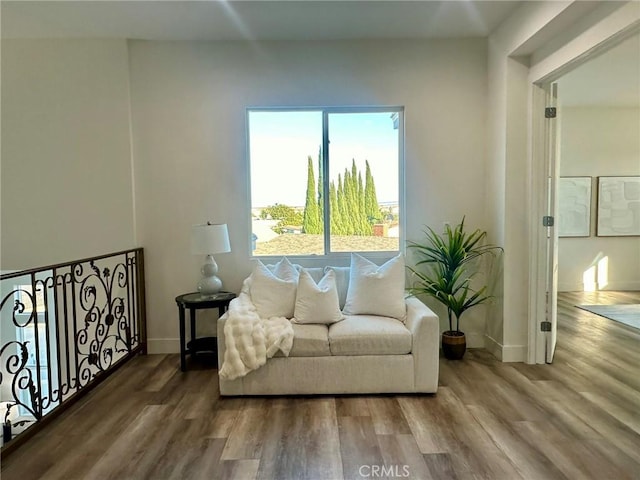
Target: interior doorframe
[
  {"x": 537, "y": 237},
  {"x": 538, "y": 185}
]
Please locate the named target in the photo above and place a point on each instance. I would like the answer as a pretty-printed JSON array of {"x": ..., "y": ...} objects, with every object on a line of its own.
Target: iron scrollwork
[
  {"x": 63, "y": 327},
  {"x": 16, "y": 354}
]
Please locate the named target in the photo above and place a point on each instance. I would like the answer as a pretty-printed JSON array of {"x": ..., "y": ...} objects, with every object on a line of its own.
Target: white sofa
[{"x": 360, "y": 354}]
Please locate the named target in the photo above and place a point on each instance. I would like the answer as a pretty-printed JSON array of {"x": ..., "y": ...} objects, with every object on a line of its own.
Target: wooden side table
[{"x": 197, "y": 301}]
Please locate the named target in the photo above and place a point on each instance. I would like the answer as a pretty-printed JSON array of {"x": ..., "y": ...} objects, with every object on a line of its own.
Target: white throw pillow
[
  {"x": 376, "y": 290},
  {"x": 342, "y": 282},
  {"x": 315, "y": 272},
  {"x": 317, "y": 303},
  {"x": 274, "y": 293},
  {"x": 284, "y": 269}
]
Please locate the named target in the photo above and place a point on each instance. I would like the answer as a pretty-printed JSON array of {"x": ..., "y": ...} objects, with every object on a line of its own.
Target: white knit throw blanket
[{"x": 251, "y": 340}]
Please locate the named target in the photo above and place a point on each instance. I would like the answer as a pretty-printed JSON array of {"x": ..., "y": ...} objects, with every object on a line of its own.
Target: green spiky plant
[{"x": 446, "y": 266}]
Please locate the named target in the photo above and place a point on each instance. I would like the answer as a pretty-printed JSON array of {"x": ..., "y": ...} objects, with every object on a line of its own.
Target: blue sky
[{"x": 280, "y": 143}]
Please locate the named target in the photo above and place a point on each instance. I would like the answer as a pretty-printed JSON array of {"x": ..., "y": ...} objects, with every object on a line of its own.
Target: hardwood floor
[{"x": 576, "y": 419}]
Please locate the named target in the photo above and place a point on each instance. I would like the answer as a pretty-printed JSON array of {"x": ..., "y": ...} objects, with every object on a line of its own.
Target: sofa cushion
[
  {"x": 310, "y": 341},
  {"x": 369, "y": 335},
  {"x": 375, "y": 290},
  {"x": 317, "y": 302}
]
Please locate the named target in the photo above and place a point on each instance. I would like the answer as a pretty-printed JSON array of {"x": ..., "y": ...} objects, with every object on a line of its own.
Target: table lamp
[{"x": 208, "y": 239}]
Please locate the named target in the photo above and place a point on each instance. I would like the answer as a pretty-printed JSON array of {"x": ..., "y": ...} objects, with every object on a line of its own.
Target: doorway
[{"x": 598, "y": 148}]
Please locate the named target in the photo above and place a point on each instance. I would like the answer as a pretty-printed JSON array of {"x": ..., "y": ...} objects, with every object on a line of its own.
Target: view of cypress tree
[
  {"x": 335, "y": 215},
  {"x": 349, "y": 204},
  {"x": 353, "y": 215},
  {"x": 311, "y": 222},
  {"x": 346, "y": 228},
  {"x": 365, "y": 226},
  {"x": 320, "y": 188},
  {"x": 353, "y": 203},
  {"x": 371, "y": 207}
]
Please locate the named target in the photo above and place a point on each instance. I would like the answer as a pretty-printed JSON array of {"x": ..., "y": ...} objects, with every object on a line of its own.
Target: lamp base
[{"x": 210, "y": 284}]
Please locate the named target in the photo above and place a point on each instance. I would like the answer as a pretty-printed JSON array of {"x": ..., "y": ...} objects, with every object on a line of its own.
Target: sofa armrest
[{"x": 425, "y": 330}]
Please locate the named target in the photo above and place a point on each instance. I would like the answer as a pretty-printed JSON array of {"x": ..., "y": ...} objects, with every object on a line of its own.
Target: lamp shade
[{"x": 209, "y": 238}]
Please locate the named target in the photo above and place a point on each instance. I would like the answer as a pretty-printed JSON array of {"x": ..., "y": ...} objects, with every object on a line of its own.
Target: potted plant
[{"x": 446, "y": 266}]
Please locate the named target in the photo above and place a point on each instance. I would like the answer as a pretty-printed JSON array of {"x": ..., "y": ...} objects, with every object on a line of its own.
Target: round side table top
[{"x": 200, "y": 300}]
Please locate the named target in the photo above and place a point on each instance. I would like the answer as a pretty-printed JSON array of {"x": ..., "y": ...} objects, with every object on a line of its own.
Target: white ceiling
[
  {"x": 252, "y": 20},
  {"x": 611, "y": 79}
]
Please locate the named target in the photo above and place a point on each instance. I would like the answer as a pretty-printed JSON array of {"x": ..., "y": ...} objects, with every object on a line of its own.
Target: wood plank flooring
[{"x": 576, "y": 419}]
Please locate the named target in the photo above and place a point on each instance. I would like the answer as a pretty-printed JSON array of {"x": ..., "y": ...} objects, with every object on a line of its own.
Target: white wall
[
  {"x": 508, "y": 177},
  {"x": 66, "y": 151},
  {"x": 189, "y": 102},
  {"x": 599, "y": 141}
]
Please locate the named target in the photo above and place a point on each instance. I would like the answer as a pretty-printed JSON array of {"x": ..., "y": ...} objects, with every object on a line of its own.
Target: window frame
[{"x": 326, "y": 111}]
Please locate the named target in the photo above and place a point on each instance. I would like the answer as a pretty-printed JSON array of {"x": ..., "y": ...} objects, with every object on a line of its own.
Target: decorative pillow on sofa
[
  {"x": 274, "y": 292},
  {"x": 284, "y": 268},
  {"x": 375, "y": 290},
  {"x": 342, "y": 282},
  {"x": 317, "y": 303},
  {"x": 315, "y": 272}
]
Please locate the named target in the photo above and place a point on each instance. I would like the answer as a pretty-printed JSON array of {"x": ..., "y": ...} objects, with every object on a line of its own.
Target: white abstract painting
[
  {"x": 574, "y": 206},
  {"x": 618, "y": 206}
]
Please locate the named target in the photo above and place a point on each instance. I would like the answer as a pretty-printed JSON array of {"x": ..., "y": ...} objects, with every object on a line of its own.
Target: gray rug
[{"x": 627, "y": 314}]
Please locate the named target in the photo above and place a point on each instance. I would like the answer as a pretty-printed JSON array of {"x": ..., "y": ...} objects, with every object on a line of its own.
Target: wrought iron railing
[{"x": 64, "y": 328}]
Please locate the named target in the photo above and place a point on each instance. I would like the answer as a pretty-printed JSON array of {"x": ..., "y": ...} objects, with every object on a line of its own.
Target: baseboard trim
[
  {"x": 514, "y": 353},
  {"x": 570, "y": 287},
  {"x": 475, "y": 340},
  {"x": 623, "y": 286},
  {"x": 505, "y": 353},
  {"x": 493, "y": 346},
  {"x": 615, "y": 286},
  {"x": 163, "y": 345}
]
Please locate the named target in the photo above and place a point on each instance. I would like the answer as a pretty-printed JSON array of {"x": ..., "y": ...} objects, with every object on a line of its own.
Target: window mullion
[{"x": 326, "y": 214}]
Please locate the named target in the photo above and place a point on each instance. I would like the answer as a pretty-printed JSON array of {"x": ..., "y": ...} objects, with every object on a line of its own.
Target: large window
[{"x": 325, "y": 180}]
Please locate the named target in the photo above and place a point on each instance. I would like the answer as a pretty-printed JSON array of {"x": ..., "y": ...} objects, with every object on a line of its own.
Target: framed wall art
[
  {"x": 574, "y": 206},
  {"x": 618, "y": 206}
]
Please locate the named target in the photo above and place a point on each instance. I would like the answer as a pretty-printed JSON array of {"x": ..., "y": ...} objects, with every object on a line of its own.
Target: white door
[{"x": 550, "y": 325}]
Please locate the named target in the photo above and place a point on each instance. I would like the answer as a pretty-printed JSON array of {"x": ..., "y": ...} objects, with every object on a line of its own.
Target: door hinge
[
  {"x": 545, "y": 327},
  {"x": 547, "y": 221},
  {"x": 550, "y": 112}
]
